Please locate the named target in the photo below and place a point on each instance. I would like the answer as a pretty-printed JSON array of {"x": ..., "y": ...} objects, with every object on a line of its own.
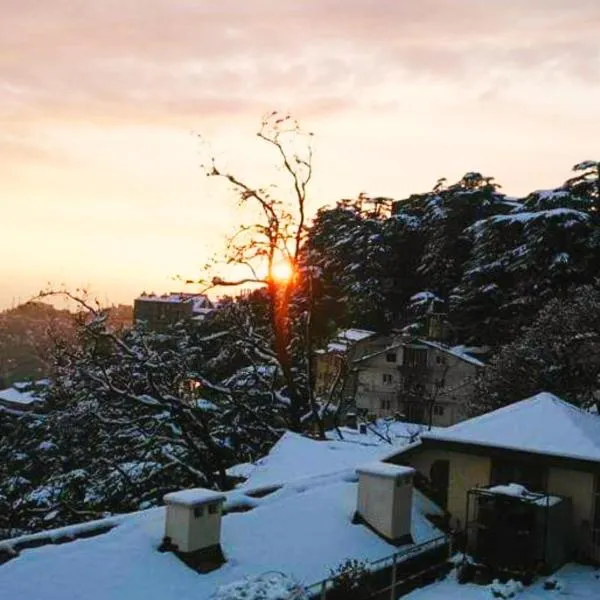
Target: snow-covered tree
[
  {"x": 520, "y": 260},
  {"x": 559, "y": 353}
]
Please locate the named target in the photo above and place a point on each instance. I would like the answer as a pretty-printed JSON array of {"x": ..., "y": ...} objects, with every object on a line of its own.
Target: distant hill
[{"x": 28, "y": 332}]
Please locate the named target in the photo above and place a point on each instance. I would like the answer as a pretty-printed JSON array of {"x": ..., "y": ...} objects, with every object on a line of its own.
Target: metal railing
[{"x": 320, "y": 589}]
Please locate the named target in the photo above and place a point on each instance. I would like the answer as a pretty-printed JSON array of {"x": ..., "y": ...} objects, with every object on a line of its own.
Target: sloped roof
[
  {"x": 543, "y": 424},
  {"x": 345, "y": 338},
  {"x": 456, "y": 351}
]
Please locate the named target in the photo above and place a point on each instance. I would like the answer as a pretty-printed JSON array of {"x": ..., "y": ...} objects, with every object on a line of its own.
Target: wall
[
  {"x": 375, "y": 502},
  {"x": 385, "y": 504},
  {"x": 177, "y": 526},
  {"x": 389, "y": 398},
  {"x": 372, "y": 390},
  {"x": 467, "y": 471},
  {"x": 192, "y": 533},
  {"x": 327, "y": 366},
  {"x": 579, "y": 486}
]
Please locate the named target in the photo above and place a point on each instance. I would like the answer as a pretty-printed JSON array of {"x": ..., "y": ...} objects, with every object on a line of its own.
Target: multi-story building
[
  {"x": 417, "y": 379},
  {"x": 160, "y": 312}
]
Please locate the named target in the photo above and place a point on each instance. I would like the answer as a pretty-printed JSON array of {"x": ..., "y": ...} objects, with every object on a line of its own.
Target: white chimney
[
  {"x": 193, "y": 522},
  {"x": 385, "y": 495}
]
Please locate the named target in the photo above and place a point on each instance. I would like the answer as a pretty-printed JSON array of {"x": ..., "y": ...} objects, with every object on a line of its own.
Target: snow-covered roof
[
  {"x": 456, "y": 351},
  {"x": 381, "y": 469},
  {"x": 425, "y": 296},
  {"x": 346, "y": 338},
  {"x": 15, "y": 396},
  {"x": 200, "y": 303},
  {"x": 355, "y": 335},
  {"x": 302, "y": 529},
  {"x": 295, "y": 456},
  {"x": 543, "y": 424},
  {"x": 193, "y": 497}
]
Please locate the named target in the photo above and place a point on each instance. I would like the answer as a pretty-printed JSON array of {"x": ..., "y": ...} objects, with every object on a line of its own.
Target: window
[
  {"x": 213, "y": 508},
  {"x": 198, "y": 511},
  {"x": 533, "y": 477},
  {"x": 438, "y": 410},
  {"x": 439, "y": 360},
  {"x": 415, "y": 357},
  {"x": 387, "y": 378},
  {"x": 386, "y": 404},
  {"x": 390, "y": 357}
]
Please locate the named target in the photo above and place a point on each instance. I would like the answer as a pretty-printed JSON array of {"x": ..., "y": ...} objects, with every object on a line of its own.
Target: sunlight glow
[{"x": 282, "y": 272}]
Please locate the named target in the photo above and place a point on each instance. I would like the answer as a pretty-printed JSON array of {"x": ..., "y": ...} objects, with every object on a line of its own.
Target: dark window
[
  {"x": 438, "y": 359},
  {"x": 198, "y": 511},
  {"x": 390, "y": 357},
  {"x": 213, "y": 508},
  {"x": 415, "y": 357},
  {"x": 438, "y": 410},
  {"x": 387, "y": 378},
  {"x": 533, "y": 477}
]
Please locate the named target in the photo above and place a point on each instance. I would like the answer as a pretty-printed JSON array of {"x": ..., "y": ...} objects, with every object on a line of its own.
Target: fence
[{"x": 392, "y": 573}]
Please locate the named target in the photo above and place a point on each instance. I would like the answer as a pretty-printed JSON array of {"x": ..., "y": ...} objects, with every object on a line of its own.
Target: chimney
[
  {"x": 385, "y": 495},
  {"x": 193, "y": 524}
]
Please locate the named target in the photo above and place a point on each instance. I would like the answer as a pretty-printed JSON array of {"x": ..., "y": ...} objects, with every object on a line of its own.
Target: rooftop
[
  {"x": 200, "y": 302},
  {"x": 346, "y": 338},
  {"x": 301, "y": 527},
  {"x": 15, "y": 396},
  {"x": 543, "y": 424}
]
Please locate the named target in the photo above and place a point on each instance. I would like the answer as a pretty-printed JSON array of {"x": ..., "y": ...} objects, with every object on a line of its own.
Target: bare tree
[{"x": 276, "y": 238}]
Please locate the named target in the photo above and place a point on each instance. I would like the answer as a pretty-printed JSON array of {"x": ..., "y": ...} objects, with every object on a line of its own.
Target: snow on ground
[
  {"x": 572, "y": 581},
  {"x": 303, "y": 529}
]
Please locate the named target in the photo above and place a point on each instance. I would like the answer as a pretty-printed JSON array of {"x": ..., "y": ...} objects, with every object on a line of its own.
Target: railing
[{"x": 321, "y": 588}]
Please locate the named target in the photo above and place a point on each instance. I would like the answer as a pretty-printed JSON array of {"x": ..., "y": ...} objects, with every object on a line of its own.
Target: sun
[{"x": 282, "y": 272}]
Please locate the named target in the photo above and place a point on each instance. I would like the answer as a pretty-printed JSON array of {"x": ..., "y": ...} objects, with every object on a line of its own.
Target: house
[
  {"x": 331, "y": 362},
  {"x": 422, "y": 380},
  {"x": 523, "y": 478},
  {"x": 293, "y": 516},
  {"x": 160, "y": 312}
]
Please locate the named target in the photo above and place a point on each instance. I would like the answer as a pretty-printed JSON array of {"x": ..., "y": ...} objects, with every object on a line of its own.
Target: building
[
  {"x": 331, "y": 363},
  {"x": 536, "y": 463},
  {"x": 420, "y": 380},
  {"x": 160, "y": 312},
  {"x": 293, "y": 516}
]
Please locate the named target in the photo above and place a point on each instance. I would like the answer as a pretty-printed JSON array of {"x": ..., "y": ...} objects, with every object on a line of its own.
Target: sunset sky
[{"x": 100, "y": 182}]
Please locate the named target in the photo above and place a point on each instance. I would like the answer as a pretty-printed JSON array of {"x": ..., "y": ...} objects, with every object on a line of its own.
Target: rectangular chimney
[
  {"x": 193, "y": 523},
  {"x": 385, "y": 495}
]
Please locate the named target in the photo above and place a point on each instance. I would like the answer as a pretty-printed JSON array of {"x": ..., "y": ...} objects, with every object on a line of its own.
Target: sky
[{"x": 102, "y": 103}]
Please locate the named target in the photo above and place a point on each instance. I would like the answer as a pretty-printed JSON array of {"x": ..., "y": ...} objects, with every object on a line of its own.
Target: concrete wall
[
  {"x": 467, "y": 471},
  {"x": 327, "y": 366},
  {"x": 385, "y": 503},
  {"x": 579, "y": 486},
  {"x": 380, "y": 388},
  {"x": 189, "y": 532}
]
